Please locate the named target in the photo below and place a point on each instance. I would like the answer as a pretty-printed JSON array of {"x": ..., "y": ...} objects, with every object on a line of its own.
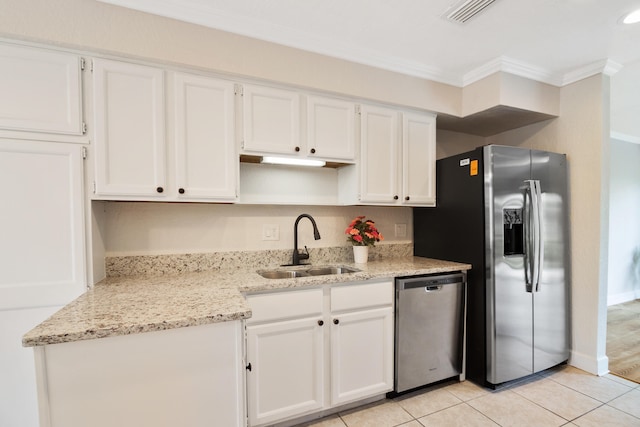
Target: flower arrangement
[{"x": 363, "y": 232}]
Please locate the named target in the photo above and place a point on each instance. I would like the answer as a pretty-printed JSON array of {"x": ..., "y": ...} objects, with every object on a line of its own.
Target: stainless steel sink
[
  {"x": 282, "y": 274},
  {"x": 313, "y": 271},
  {"x": 322, "y": 271}
]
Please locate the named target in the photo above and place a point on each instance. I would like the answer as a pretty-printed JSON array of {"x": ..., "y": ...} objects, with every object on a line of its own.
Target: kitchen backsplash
[{"x": 133, "y": 265}]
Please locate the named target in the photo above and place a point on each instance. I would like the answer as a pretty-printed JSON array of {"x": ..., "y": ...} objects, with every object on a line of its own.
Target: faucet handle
[{"x": 305, "y": 254}]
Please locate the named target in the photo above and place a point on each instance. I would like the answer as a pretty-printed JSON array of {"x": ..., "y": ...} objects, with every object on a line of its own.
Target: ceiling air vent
[{"x": 462, "y": 11}]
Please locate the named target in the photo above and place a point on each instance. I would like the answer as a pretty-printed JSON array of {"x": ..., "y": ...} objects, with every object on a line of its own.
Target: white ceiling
[{"x": 554, "y": 41}]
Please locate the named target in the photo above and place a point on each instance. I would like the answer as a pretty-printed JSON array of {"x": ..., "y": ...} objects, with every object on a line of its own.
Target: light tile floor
[{"x": 563, "y": 396}]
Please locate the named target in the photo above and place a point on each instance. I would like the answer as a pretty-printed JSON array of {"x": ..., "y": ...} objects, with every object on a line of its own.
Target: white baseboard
[
  {"x": 622, "y": 297},
  {"x": 596, "y": 366}
]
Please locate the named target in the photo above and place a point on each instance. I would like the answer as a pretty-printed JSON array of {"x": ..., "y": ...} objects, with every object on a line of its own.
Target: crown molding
[
  {"x": 200, "y": 13},
  {"x": 605, "y": 66},
  {"x": 512, "y": 66}
]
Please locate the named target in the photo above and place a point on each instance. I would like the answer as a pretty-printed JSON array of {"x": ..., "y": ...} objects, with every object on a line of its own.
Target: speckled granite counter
[{"x": 129, "y": 305}]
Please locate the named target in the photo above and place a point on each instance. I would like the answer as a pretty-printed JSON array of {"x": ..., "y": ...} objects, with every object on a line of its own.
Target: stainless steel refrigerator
[{"x": 505, "y": 211}]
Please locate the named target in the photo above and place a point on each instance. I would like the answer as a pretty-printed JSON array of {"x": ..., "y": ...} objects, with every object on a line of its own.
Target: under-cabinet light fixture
[{"x": 292, "y": 161}]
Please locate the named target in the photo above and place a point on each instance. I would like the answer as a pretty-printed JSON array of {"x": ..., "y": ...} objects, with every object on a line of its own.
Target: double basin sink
[{"x": 309, "y": 272}]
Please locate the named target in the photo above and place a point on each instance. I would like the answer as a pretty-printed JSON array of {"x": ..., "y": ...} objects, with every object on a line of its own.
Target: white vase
[{"x": 360, "y": 254}]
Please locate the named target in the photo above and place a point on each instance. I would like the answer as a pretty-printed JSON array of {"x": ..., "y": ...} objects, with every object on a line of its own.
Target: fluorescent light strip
[{"x": 292, "y": 161}]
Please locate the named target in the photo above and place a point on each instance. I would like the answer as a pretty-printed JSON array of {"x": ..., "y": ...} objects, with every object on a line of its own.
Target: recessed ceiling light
[{"x": 632, "y": 17}]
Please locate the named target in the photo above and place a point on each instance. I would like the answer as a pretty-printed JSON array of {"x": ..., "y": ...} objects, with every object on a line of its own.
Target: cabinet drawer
[
  {"x": 285, "y": 305},
  {"x": 349, "y": 297}
]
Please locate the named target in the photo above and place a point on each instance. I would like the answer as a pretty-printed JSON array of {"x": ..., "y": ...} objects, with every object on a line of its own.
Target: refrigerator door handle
[
  {"x": 532, "y": 234},
  {"x": 528, "y": 238},
  {"x": 539, "y": 241}
]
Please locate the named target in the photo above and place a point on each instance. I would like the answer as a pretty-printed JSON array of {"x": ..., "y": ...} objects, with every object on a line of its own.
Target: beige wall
[
  {"x": 510, "y": 90},
  {"x": 158, "y": 228},
  {"x": 450, "y": 143}
]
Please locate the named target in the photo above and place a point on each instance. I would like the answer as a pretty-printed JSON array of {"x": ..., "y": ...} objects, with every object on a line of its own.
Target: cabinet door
[
  {"x": 205, "y": 157},
  {"x": 41, "y": 224},
  {"x": 176, "y": 377},
  {"x": 379, "y": 155},
  {"x": 330, "y": 128},
  {"x": 418, "y": 159},
  {"x": 41, "y": 90},
  {"x": 129, "y": 126},
  {"x": 286, "y": 375},
  {"x": 361, "y": 354},
  {"x": 271, "y": 120}
]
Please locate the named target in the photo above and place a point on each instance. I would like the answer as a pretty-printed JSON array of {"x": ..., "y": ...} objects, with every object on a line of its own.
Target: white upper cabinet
[
  {"x": 206, "y": 162},
  {"x": 397, "y": 167},
  {"x": 42, "y": 224},
  {"x": 197, "y": 161},
  {"x": 418, "y": 159},
  {"x": 129, "y": 129},
  {"x": 379, "y": 152},
  {"x": 271, "y": 120},
  {"x": 330, "y": 128},
  {"x": 40, "y": 90}
]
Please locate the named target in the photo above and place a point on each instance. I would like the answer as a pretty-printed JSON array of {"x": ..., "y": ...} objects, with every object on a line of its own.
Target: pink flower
[{"x": 363, "y": 231}]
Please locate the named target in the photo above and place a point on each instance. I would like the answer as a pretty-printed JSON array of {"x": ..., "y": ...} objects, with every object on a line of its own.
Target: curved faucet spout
[{"x": 297, "y": 256}]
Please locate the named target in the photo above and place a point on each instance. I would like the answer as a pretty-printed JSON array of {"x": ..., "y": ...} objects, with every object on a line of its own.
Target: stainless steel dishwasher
[{"x": 429, "y": 340}]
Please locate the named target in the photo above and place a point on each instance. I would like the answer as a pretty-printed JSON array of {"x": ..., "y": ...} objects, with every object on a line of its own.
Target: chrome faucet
[{"x": 297, "y": 255}]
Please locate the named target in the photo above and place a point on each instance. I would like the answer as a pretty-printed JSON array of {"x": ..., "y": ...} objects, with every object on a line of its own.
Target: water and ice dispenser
[{"x": 513, "y": 232}]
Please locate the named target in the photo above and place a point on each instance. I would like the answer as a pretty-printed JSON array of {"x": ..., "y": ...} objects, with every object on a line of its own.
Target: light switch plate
[
  {"x": 270, "y": 232},
  {"x": 401, "y": 230}
]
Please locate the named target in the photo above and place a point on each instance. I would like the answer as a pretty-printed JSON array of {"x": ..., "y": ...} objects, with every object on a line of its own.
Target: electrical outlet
[
  {"x": 270, "y": 232},
  {"x": 401, "y": 230}
]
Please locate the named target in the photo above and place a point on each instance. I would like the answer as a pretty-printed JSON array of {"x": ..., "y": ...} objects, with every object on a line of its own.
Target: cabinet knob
[
  {"x": 297, "y": 149},
  {"x": 320, "y": 322},
  {"x": 407, "y": 198},
  {"x": 395, "y": 197},
  {"x": 181, "y": 190},
  {"x": 313, "y": 151},
  {"x": 159, "y": 189},
  {"x": 336, "y": 321}
]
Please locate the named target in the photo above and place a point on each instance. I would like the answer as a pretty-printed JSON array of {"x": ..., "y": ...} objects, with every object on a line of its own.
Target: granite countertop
[{"x": 130, "y": 305}]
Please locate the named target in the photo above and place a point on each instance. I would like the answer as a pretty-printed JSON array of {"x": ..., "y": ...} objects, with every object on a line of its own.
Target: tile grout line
[{"x": 584, "y": 394}]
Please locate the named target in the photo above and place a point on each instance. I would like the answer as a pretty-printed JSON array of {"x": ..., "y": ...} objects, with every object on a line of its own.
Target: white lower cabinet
[
  {"x": 285, "y": 379},
  {"x": 315, "y": 349},
  {"x": 361, "y": 356},
  {"x": 179, "y": 377}
]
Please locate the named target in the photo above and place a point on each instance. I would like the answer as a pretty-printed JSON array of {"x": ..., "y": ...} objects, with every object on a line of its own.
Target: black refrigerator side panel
[{"x": 455, "y": 231}]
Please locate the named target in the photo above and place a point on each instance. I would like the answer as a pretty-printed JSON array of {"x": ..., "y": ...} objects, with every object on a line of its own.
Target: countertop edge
[{"x": 52, "y": 330}]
